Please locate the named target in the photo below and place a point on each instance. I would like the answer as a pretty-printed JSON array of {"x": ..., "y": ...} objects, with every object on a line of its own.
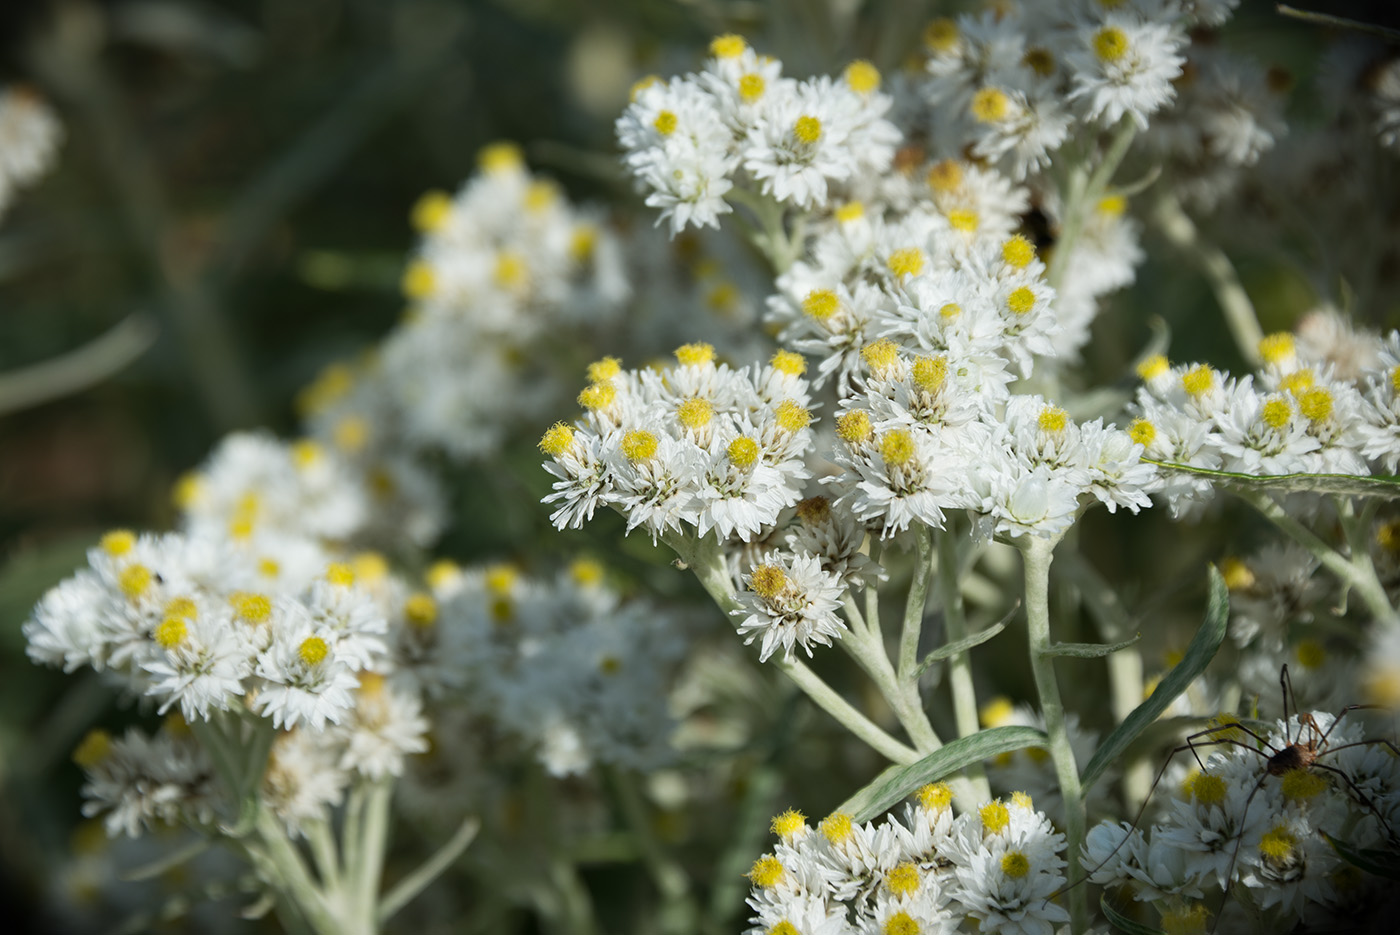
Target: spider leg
[
  {"x": 1365, "y": 800},
  {"x": 1190, "y": 744},
  {"x": 1239, "y": 840},
  {"x": 1343, "y": 713},
  {"x": 1285, "y": 685}
]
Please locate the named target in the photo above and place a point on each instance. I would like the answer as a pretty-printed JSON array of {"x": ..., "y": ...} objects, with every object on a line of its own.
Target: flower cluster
[
  {"x": 564, "y": 667},
  {"x": 1240, "y": 825},
  {"x": 927, "y": 436},
  {"x": 1314, "y": 407},
  {"x": 29, "y": 137},
  {"x": 689, "y": 140},
  {"x": 697, "y": 446},
  {"x": 994, "y": 869}
]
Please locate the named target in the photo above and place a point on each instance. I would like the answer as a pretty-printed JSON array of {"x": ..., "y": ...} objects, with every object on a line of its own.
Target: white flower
[
  {"x": 790, "y": 601},
  {"x": 1125, "y": 67}
]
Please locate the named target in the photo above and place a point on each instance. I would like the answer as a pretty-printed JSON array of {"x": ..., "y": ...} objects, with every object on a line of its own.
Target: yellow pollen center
[
  {"x": 269, "y": 567},
  {"x": 995, "y": 817},
  {"x": 118, "y": 542},
  {"x": 1110, "y": 44},
  {"x": 1039, "y": 61},
  {"x": 665, "y": 123},
  {"x": 743, "y": 452},
  {"x": 1277, "y": 347},
  {"x": 854, "y": 427},
  {"x": 836, "y": 827},
  {"x": 640, "y": 85},
  {"x": 557, "y": 439},
  {"x": 501, "y": 578},
  {"x": 1112, "y": 205},
  {"x": 935, "y": 796},
  {"x": 510, "y": 270},
  {"x": 182, "y": 607},
  {"x": 820, "y": 304},
  {"x": 963, "y": 220},
  {"x": 766, "y": 872},
  {"x": 784, "y": 928},
  {"x": 990, "y": 105},
  {"x": 941, "y": 35},
  {"x": 587, "y": 572},
  {"x": 134, "y": 580},
  {"x": 92, "y": 749},
  {"x": 1188, "y": 920},
  {"x": 901, "y": 923},
  {"x": 1236, "y": 573},
  {"x": 340, "y": 574},
  {"x": 1311, "y": 654},
  {"x": 418, "y": 280},
  {"x": 254, "y": 608},
  {"x": 950, "y": 311},
  {"x": 1142, "y": 432},
  {"x": 1021, "y": 300},
  {"x": 862, "y": 76},
  {"x": 788, "y": 362},
  {"x": 695, "y": 413},
  {"x": 1015, "y": 865},
  {"x": 351, "y": 433},
  {"x": 171, "y": 632},
  {"x": 500, "y": 157},
  {"x": 881, "y": 357},
  {"x": 996, "y": 712},
  {"x": 639, "y": 445},
  {"x": 540, "y": 195},
  {"x": 1198, "y": 380},
  {"x": 1315, "y": 404},
  {"x": 306, "y": 453},
  {"x": 1153, "y": 367},
  {"x": 597, "y": 396},
  {"x": 807, "y": 129},
  {"x": 695, "y": 355},
  {"x": 1278, "y": 844},
  {"x": 1388, "y": 536},
  {"x": 903, "y": 879},
  {"x": 1301, "y": 784},
  {"x": 1018, "y": 252},
  {"x": 767, "y": 580},
  {"x": 600, "y": 371},
  {"x": 751, "y": 87},
  {"x": 791, "y": 417},
  {"x": 788, "y": 823},
  {"x": 1207, "y": 789},
  {"x": 442, "y": 573},
  {"x": 1297, "y": 381},
  {"x": 420, "y": 609},
  {"x": 906, "y": 262},
  {"x": 897, "y": 447},
  {"x": 850, "y": 211},
  {"x": 945, "y": 176},
  {"x": 1276, "y": 412},
  {"x": 582, "y": 242},
  {"x": 431, "y": 211},
  {"x": 1023, "y": 800},
  {"x": 1395, "y": 379},
  {"x": 1053, "y": 419},
  {"x": 728, "y": 45},
  {"x": 313, "y": 650},
  {"x": 930, "y": 372}
]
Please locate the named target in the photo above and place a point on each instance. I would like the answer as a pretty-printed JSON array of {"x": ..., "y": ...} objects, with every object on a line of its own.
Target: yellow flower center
[
  {"x": 1311, "y": 654},
  {"x": 1301, "y": 784},
  {"x": 253, "y": 608},
  {"x": 751, "y": 87},
  {"x": 941, "y": 35},
  {"x": 171, "y": 632},
  {"x": 936, "y": 796},
  {"x": 418, "y": 280},
  {"x": 1276, "y": 347},
  {"x": 930, "y": 373},
  {"x": 963, "y": 220},
  {"x": 950, "y": 311},
  {"x": 990, "y": 105},
  {"x": 743, "y": 452},
  {"x": 854, "y": 427},
  {"x": 788, "y": 823},
  {"x": 118, "y": 542},
  {"x": 1153, "y": 367},
  {"x": 728, "y": 45},
  {"x": 695, "y": 355},
  {"x": 134, "y": 580},
  {"x": 1015, "y": 865},
  {"x": 1143, "y": 432},
  {"x": 639, "y": 445},
  {"x": 1276, "y": 412},
  {"x": 1315, "y": 404},
  {"x": 1278, "y": 844},
  {"x": 945, "y": 176},
  {"x": 995, "y": 817},
  {"x": 1207, "y": 789},
  {"x": 906, "y": 262},
  {"x": 836, "y": 827},
  {"x": 557, "y": 439},
  {"x": 340, "y": 574},
  {"x": 695, "y": 413},
  {"x": 850, "y": 211},
  {"x": 1110, "y": 44},
  {"x": 788, "y": 362},
  {"x": 597, "y": 396},
  {"x": 313, "y": 650},
  {"x": 807, "y": 129},
  {"x": 1053, "y": 419},
  {"x": 766, "y": 872},
  {"x": 1187, "y": 920},
  {"x": 903, "y": 879},
  {"x": 820, "y": 304},
  {"x": 901, "y": 923},
  {"x": 791, "y": 417},
  {"x": 1018, "y": 252},
  {"x": 1113, "y": 205},
  {"x": 500, "y": 157},
  {"x": 665, "y": 123},
  {"x": 880, "y": 357},
  {"x": 897, "y": 447},
  {"x": 420, "y": 610},
  {"x": 95, "y": 746},
  {"x": 1039, "y": 61},
  {"x": 1198, "y": 380},
  {"x": 862, "y": 76},
  {"x": 1021, "y": 300},
  {"x": 431, "y": 211}
]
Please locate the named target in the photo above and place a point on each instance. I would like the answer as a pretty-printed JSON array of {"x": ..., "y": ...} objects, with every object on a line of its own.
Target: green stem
[
  {"x": 290, "y": 875},
  {"x": 373, "y": 845},
  {"x": 960, "y": 665},
  {"x": 914, "y": 607},
  {"x": 323, "y": 849},
  {"x": 428, "y": 871},
  {"x": 1356, "y": 572},
  {"x": 1082, "y": 197},
  {"x": 1036, "y": 554},
  {"x": 1240, "y": 316},
  {"x": 702, "y": 556}
]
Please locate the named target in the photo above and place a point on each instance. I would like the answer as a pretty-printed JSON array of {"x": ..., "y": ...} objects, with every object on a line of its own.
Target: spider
[{"x": 1292, "y": 762}]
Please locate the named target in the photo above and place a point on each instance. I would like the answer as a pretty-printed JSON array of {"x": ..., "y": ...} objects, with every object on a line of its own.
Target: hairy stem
[
  {"x": 960, "y": 664},
  {"x": 1036, "y": 553}
]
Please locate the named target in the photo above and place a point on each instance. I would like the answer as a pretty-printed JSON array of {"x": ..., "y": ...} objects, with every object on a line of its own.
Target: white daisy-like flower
[
  {"x": 1125, "y": 66},
  {"x": 790, "y": 601}
]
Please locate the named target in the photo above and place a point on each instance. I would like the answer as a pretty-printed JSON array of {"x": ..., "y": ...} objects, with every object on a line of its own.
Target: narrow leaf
[
  {"x": 1198, "y": 655},
  {"x": 1380, "y": 862},
  {"x": 1346, "y": 485},
  {"x": 1122, "y": 922},
  {"x": 949, "y": 650},
  {"x": 1089, "y": 650},
  {"x": 898, "y": 781}
]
